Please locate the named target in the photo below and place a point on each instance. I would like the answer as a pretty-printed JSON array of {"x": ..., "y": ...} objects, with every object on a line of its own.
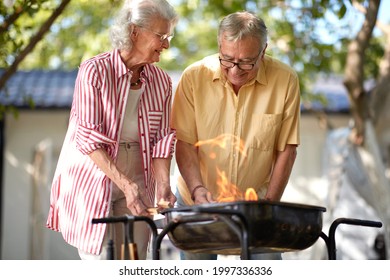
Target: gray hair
[
  {"x": 240, "y": 25},
  {"x": 140, "y": 13}
]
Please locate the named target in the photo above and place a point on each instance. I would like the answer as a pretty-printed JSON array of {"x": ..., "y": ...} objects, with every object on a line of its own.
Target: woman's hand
[
  {"x": 165, "y": 196},
  {"x": 136, "y": 199}
]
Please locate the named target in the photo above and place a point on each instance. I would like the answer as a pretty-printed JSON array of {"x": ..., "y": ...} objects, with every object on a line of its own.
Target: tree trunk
[
  {"x": 354, "y": 73},
  {"x": 365, "y": 135}
]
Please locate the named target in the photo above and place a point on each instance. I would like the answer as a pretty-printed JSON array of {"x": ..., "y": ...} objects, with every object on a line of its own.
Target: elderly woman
[{"x": 116, "y": 156}]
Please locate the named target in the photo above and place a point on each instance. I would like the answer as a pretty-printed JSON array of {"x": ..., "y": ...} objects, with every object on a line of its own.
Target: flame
[
  {"x": 251, "y": 195},
  {"x": 222, "y": 142},
  {"x": 227, "y": 191}
]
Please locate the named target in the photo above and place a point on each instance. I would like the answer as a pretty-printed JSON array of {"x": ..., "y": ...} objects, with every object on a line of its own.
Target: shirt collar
[
  {"x": 261, "y": 78},
  {"x": 147, "y": 73},
  {"x": 122, "y": 69}
]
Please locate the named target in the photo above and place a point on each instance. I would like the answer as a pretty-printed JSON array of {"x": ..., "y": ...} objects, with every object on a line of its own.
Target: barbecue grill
[{"x": 240, "y": 228}]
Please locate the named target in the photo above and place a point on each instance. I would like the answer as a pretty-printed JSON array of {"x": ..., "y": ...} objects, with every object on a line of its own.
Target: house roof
[
  {"x": 54, "y": 90},
  {"x": 47, "y": 89},
  {"x": 332, "y": 88}
]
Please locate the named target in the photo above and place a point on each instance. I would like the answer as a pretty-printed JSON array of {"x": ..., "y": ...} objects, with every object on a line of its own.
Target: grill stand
[
  {"x": 129, "y": 252},
  {"x": 241, "y": 230},
  {"x": 239, "y": 226}
]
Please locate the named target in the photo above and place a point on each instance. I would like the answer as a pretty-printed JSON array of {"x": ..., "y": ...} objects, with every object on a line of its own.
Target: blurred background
[{"x": 340, "y": 49}]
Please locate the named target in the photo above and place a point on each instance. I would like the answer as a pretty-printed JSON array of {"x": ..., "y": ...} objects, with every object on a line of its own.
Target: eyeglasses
[
  {"x": 161, "y": 37},
  {"x": 241, "y": 65}
]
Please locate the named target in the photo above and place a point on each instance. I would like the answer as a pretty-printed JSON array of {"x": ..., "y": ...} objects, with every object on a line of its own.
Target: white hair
[{"x": 140, "y": 13}]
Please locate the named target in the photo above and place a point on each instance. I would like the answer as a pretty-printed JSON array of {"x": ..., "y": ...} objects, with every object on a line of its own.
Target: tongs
[{"x": 129, "y": 247}]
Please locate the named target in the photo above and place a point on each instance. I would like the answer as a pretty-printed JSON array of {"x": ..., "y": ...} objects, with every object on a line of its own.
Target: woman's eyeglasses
[{"x": 161, "y": 37}]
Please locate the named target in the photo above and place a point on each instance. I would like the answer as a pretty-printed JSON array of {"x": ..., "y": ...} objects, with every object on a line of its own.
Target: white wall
[
  {"x": 306, "y": 183},
  {"x": 22, "y": 136}
]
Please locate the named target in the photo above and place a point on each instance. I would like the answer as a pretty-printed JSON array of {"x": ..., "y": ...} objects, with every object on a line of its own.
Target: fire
[
  {"x": 227, "y": 191},
  {"x": 251, "y": 195},
  {"x": 222, "y": 142}
]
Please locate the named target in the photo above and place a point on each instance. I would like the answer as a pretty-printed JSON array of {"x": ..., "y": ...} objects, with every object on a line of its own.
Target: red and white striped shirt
[{"x": 80, "y": 190}]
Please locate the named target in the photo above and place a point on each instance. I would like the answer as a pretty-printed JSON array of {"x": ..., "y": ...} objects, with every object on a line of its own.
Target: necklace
[{"x": 136, "y": 83}]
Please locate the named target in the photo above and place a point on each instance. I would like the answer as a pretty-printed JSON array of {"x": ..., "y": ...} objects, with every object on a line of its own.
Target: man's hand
[{"x": 202, "y": 195}]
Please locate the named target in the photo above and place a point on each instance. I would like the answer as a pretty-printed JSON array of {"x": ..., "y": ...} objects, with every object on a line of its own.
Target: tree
[
  {"x": 48, "y": 34},
  {"x": 369, "y": 110},
  {"x": 80, "y": 32},
  {"x": 14, "y": 42}
]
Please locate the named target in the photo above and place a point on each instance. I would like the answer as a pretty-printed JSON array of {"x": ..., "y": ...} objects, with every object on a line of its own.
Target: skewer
[
  {"x": 162, "y": 204},
  {"x": 153, "y": 210}
]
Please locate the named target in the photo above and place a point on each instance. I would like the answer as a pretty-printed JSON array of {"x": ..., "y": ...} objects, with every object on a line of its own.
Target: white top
[{"x": 130, "y": 122}]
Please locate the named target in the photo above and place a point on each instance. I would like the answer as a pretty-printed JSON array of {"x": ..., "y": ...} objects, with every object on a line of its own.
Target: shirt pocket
[
  {"x": 154, "y": 118},
  {"x": 265, "y": 128}
]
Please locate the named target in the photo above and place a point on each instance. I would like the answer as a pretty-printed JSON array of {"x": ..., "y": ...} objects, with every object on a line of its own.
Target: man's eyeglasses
[
  {"x": 161, "y": 37},
  {"x": 241, "y": 65}
]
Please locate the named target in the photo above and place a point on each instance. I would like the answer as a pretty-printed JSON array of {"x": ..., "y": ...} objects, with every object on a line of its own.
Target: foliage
[
  {"x": 80, "y": 32},
  {"x": 310, "y": 35}
]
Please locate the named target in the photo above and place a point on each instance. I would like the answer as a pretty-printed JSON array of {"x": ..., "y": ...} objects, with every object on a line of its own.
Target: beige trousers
[{"x": 130, "y": 163}]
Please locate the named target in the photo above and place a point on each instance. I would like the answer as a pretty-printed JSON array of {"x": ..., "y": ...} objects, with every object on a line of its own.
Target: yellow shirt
[{"x": 237, "y": 134}]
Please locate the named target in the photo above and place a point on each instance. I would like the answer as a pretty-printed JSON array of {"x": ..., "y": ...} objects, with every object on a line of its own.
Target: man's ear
[{"x": 263, "y": 52}]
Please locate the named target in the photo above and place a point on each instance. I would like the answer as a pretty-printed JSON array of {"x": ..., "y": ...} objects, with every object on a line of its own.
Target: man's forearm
[
  {"x": 281, "y": 173},
  {"x": 188, "y": 163}
]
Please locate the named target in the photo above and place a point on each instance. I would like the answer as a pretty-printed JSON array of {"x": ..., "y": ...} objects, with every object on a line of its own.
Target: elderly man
[{"x": 236, "y": 114}]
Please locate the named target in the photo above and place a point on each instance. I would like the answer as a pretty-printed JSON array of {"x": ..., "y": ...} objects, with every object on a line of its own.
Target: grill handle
[{"x": 330, "y": 240}]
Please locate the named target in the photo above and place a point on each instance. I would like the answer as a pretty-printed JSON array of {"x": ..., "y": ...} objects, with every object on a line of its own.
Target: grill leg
[{"x": 331, "y": 255}]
